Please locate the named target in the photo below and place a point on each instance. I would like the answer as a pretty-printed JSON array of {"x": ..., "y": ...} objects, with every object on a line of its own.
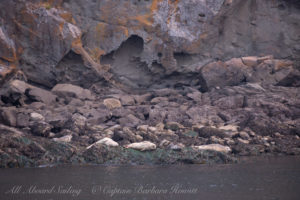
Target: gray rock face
[{"x": 149, "y": 38}]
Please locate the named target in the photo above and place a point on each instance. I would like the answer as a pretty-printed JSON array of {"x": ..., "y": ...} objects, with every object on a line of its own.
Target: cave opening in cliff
[{"x": 126, "y": 64}]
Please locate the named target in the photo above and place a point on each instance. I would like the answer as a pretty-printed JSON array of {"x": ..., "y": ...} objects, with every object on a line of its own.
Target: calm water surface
[{"x": 255, "y": 178}]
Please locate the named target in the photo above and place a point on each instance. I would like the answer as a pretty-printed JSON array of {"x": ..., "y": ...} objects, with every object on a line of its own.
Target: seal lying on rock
[
  {"x": 214, "y": 147},
  {"x": 142, "y": 146}
]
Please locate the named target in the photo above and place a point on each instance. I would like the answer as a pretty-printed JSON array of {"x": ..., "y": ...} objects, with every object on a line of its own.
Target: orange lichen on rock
[
  {"x": 96, "y": 54},
  {"x": 68, "y": 17},
  {"x": 173, "y": 8},
  {"x": 147, "y": 19}
]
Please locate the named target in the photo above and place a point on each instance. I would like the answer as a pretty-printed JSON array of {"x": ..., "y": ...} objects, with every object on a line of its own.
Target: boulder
[
  {"x": 41, "y": 95},
  {"x": 59, "y": 119},
  {"x": 157, "y": 114},
  {"x": 291, "y": 80},
  {"x": 207, "y": 132},
  {"x": 8, "y": 116},
  {"x": 143, "y": 128},
  {"x": 96, "y": 116},
  {"x": 36, "y": 117},
  {"x": 22, "y": 120},
  {"x": 250, "y": 61},
  {"x": 174, "y": 126},
  {"x": 130, "y": 121},
  {"x": 141, "y": 99},
  {"x": 105, "y": 141},
  {"x": 271, "y": 71},
  {"x": 79, "y": 123},
  {"x": 246, "y": 69},
  {"x": 142, "y": 146},
  {"x": 230, "y": 102},
  {"x": 196, "y": 96},
  {"x": 127, "y": 100},
  {"x": 220, "y": 74},
  {"x": 230, "y": 130},
  {"x": 243, "y": 141},
  {"x": 244, "y": 135},
  {"x": 112, "y": 103},
  {"x": 214, "y": 147},
  {"x": 69, "y": 90},
  {"x": 203, "y": 114},
  {"x": 14, "y": 92},
  {"x": 40, "y": 128},
  {"x": 17, "y": 86},
  {"x": 157, "y": 100}
]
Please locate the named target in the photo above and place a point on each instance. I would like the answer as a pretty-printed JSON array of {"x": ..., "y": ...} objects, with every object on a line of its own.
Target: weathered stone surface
[
  {"x": 97, "y": 116},
  {"x": 127, "y": 100},
  {"x": 69, "y": 90},
  {"x": 36, "y": 117},
  {"x": 174, "y": 126},
  {"x": 219, "y": 74},
  {"x": 239, "y": 70},
  {"x": 112, "y": 103},
  {"x": 79, "y": 123},
  {"x": 130, "y": 121},
  {"x": 38, "y": 94},
  {"x": 40, "y": 128},
  {"x": 210, "y": 131},
  {"x": 250, "y": 61},
  {"x": 22, "y": 120},
  {"x": 8, "y": 116},
  {"x": 17, "y": 86}
]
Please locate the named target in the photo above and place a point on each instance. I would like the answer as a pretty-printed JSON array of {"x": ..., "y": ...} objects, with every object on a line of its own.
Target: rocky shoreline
[
  {"x": 252, "y": 108},
  {"x": 158, "y": 81}
]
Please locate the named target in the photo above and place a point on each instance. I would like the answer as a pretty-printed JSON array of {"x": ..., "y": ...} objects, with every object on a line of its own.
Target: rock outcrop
[{"x": 143, "y": 41}]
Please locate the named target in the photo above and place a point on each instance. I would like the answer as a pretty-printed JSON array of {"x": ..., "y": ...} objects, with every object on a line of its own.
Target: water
[{"x": 256, "y": 178}]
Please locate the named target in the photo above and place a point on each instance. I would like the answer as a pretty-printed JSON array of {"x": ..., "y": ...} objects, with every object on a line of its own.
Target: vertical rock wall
[{"x": 178, "y": 36}]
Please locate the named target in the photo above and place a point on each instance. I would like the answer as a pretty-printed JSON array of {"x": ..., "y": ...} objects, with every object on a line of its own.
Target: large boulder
[
  {"x": 238, "y": 71},
  {"x": 17, "y": 91},
  {"x": 69, "y": 90},
  {"x": 41, "y": 95},
  {"x": 220, "y": 74}
]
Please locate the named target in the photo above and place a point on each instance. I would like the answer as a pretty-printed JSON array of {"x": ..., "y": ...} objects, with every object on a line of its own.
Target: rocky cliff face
[
  {"x": 100, "y": 80},
  {"x": 143, "y": 41}
]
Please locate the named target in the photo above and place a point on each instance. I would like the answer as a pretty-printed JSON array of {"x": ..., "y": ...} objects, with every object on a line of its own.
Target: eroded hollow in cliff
[
  {"x": 127, "y": 67},
  {"x": 126, "y": 64}
]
